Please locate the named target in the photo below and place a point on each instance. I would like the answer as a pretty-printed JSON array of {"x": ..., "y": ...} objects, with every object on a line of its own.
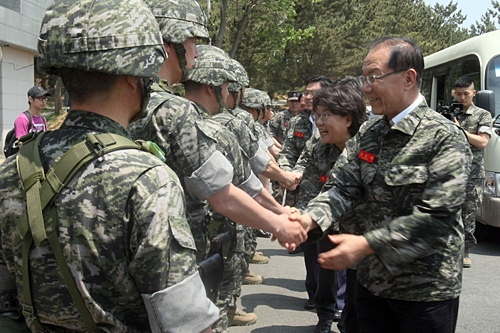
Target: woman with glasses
[{"x": 338, "y": 112}]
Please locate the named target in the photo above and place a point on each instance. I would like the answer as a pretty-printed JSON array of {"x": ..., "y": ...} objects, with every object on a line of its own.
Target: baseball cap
[{"x": 38, "y": 91}]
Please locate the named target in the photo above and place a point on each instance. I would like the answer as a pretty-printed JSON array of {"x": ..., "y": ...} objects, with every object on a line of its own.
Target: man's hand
[
  {"x": 305, "y": 220},
  {"x": 289, "y": 234},
  {"x": 349, "y": 251},
  {"x": 290, "y": 180},
  {"x": 456, "y": 121}
]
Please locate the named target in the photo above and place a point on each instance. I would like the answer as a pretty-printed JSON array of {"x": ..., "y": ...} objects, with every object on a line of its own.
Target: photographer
[{"x": 476, "y": 124}]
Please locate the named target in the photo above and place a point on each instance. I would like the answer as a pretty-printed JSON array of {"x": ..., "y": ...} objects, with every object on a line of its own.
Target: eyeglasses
[
  {"x": 371, "y": 79},
  {"x": 42, "y": 98},
  {"x": 324, "y": 116},
  {"x": 308, "y": 93}
]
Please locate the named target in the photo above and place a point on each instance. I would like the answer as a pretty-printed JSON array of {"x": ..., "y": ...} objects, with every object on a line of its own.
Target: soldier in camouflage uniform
[
  {"x": 189, "y": 145},
  {"x": 339, "y": 113},
  {"x": 121, "y": 222},
  {"x": 281, "y": 121},
  {"x": 255, "y": 103},
  {"x": 301, "y": 130},
  {"x": 476, "y": 123},
  {"x": 406, "y": 176},
  {"x": 207, "y": 87}
]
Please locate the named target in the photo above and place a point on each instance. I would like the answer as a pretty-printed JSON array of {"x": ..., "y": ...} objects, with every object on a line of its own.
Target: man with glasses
[
  {"x": 405, "y": 178},
  {"x": 301, "y": 129},
  {"x": 31, "y": 120}
]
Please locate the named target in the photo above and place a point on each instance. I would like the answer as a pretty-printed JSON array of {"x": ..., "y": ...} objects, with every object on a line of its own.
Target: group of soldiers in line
[
  {"x": 132, "y": 229},
  {"x": 102, "y": 233}
]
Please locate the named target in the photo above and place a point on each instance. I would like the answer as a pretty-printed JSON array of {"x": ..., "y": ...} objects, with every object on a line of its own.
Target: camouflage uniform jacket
[
  {"x": 408, "y": 182},
  {"x": 299, "y": 132},
  {"x": 250, "y": 122},
  {"x": 318, "y": 159},
  {"x": 476, "y": 120},
  {"x": 189, "y": 145},
  {"x": 122, "y": 227},
  {"x": 227, "y": 144},
  {"x": 280, "y": 124},
  {"x": 247, "y": 141},
  {"x": 264, "y": 134}
]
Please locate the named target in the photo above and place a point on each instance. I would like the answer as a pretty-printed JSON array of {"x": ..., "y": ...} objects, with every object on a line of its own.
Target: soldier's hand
[
  {"x": 349, "y": 251},
  {"x": 289, "y": 233},
  {"x": 298, "y": 178}
]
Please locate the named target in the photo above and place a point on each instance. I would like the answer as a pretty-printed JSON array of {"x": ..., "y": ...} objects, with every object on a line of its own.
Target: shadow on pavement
[
  {"x": 290, "y": 284},
  {"x": 284, "y": 329},
  {"x": 275, "y": 301}
]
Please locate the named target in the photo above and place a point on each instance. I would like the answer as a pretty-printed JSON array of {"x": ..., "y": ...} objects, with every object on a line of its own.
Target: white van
[{"x": 478, "y": 58}]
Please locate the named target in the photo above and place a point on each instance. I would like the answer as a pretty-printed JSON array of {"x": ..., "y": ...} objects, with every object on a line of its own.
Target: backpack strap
[
  {"x": 41, "y": 191},
  {"x": 30, "y": 120}
]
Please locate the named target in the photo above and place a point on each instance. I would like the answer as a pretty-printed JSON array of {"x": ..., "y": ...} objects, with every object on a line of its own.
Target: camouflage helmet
[
  {"x": 179, "y": 20},
  {"x": 253, "y": 98},
  {"x": 110, "y": 36},
  {"x": 213, "y": 67},
  {"x": 241, "y": 75},
  {"x": 265, "y": 99}
]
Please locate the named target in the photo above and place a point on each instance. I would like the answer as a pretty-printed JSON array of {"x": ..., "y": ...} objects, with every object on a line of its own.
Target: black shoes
[
  {"x": 337, "y": 315},
  {"x": 310, "y": 304},
  {"x": 324, "y": 326}
]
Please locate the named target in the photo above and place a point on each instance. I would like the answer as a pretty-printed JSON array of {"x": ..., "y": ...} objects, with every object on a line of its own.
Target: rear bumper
[{"x": 489, "y": 212}]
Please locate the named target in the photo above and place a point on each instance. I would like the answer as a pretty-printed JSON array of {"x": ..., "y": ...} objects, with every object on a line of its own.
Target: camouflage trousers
[
  {"x": 231, "y": 281},
  {"x": 241, "y": 235},
  {"x": 250, "y": 244},
  {"x": 473, "y": 200}
]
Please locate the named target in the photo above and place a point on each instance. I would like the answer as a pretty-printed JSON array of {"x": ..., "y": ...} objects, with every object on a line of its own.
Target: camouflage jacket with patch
[
  {"x": 280, "y": 124},
  {"x": 121, "y": 225},
  {"x": 299, "y": 132},
  {"x": 407, "y": 182},
  {"x": 317, "y": 160},
  {"x": 476, "y": 120}
]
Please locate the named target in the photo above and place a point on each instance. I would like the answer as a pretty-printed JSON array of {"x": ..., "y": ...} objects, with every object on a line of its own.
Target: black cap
[
  {"x": 38, "y": 91},
  {"x": 294, "y": 95}
]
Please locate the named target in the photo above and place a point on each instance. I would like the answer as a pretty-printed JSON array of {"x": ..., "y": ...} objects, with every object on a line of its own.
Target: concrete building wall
[{"x": 20, "y": 22}]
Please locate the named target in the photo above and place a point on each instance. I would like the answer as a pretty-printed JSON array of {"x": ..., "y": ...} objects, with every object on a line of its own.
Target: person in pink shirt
[{"x": 37, "y": 99}]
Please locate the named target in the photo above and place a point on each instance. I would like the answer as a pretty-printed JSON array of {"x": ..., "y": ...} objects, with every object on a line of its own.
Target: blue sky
[{"x": 472, "y": 8}]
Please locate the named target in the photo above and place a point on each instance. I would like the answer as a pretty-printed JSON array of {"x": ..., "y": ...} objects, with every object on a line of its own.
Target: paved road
[{"x": 279, "y": 302}]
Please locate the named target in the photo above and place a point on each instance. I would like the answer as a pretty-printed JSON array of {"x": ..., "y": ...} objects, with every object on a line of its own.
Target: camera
[{"x": 450, "y": 111}]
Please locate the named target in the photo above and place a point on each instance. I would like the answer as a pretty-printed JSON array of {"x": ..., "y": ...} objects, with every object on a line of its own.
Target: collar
[
  {"x": 471, "y": 109},
  {"x": 408, "y": 124},
  {"x": 314, "y": 127},
  {"x": 94, "y": 123},
  {"x": 413, "y": 105},
  {"x": 202, "y": 111}
]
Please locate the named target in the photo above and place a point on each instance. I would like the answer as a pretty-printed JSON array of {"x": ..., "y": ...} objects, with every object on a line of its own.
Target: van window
[{"x": 493, "y": 80}]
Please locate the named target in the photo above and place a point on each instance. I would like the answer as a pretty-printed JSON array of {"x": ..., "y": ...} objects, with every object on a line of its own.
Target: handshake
[{"x": 292, "y": 228}]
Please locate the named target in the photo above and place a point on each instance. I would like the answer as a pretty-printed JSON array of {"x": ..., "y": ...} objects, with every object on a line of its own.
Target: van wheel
[{"x": 482, "y": 232}]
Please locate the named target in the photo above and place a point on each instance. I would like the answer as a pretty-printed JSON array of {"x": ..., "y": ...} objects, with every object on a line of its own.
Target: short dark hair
[
  {"x": 343, "y": 100},
  {"x": 82, "y": 85},
  {"x": 464, "y": 82},
  {"x": 324, "y": 81},
  {"x": 405, "y": 54},
  {"x": 352, "y": 81}
]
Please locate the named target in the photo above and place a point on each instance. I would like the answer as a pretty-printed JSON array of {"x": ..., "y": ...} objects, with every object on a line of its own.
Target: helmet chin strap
[
  {"x": 181, "y": 54},
  {"x": 218, "y": 92},
  {"x": 235, "y": 95}
]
